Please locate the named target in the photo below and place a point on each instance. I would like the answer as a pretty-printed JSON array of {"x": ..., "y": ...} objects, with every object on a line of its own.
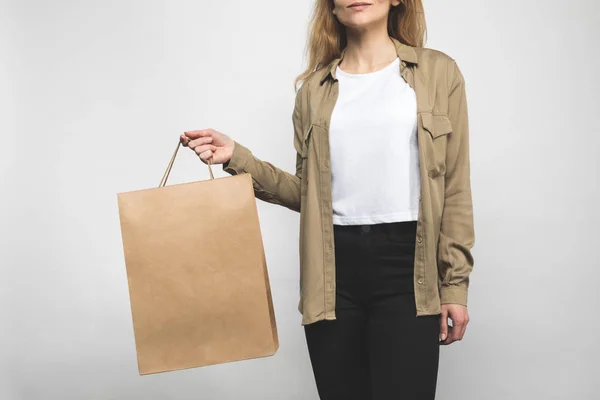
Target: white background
[{"x": 94, "y": 95}]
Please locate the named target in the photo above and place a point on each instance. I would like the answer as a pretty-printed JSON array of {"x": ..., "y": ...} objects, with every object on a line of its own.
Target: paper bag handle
[{"x": 163, "y": 181}]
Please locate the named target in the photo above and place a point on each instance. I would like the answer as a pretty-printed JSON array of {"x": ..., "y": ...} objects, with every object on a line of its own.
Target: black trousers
[{"x": 377, "y": 348}]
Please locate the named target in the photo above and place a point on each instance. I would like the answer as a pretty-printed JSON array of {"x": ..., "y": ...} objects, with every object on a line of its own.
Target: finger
[
  {"x": 202, "y": 140},
  {"x": 448, "y": 339},
  {"x": 463, "y": 327},
  {"x": 451, "y": 327},
  {"x": 444, "y": 324},
  {"x": 206, "y": 155},
  {"x": 462, "y": 332},
  {"x": 198, "y": 133},
  {"x": 203, "y": 148},
  {"x": 184, "y": 139},
  {"x": 457, "y": 328}
]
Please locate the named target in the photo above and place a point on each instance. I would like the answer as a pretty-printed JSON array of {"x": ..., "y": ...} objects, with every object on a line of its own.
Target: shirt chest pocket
[
  {"x": 436, "y": 129},
  {"x": 306, "y": 149}
]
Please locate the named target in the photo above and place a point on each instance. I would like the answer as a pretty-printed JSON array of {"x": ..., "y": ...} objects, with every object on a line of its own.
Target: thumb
[{"x": 444, "y": 324}]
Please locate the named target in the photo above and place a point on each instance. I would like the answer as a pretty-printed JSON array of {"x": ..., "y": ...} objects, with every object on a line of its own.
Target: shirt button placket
[
  {"x": 329, "y": 272},
  {"x": 420, "y": 294},
  {"x": 327, "y": 217}
]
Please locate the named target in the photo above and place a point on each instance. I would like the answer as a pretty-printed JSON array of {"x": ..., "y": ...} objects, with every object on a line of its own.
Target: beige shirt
[{"x": 445, "y": 234}]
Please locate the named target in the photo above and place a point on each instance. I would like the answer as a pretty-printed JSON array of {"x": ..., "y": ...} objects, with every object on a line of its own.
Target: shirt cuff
[
  {"x": 453, "y": 294},
  {"x": 238, "y": 161}
]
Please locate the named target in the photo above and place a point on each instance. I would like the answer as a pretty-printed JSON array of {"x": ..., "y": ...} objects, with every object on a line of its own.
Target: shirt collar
[{"x": 404, "y": 52}]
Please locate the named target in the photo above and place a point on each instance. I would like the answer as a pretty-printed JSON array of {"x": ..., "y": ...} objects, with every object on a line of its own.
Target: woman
[{"x": 382, "y": 185}]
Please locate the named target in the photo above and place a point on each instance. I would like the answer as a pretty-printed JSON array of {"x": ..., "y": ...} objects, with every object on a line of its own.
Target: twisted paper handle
[{"x": 163, "y": 181}]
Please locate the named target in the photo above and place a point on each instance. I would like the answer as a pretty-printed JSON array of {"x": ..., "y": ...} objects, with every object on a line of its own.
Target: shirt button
[
  {"x": 419, "y": 239},
  {"x": 420, "y": 281}
]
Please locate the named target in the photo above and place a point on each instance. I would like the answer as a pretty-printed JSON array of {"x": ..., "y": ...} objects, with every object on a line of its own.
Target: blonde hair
[{"x": 327, "y": 36}]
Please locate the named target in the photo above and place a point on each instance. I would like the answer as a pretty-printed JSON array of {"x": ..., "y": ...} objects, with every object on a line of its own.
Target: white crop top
[{"x": 374, "y": 150}]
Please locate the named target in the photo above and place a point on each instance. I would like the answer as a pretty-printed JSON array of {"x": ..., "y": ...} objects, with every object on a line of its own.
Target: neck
[{"x": 367, "y": 51}]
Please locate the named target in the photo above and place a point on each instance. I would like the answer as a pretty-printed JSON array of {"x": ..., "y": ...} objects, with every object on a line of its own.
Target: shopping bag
[{"x": 197, "y": 275}]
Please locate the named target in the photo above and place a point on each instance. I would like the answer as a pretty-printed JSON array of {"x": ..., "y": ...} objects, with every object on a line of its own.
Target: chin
[
  {"x": 358, "y": 23},
  {"x": 360, "y": 19}
]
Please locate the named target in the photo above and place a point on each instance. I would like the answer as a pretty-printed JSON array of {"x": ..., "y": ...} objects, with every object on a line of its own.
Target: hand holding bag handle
[{"x": 163, "y": 181}]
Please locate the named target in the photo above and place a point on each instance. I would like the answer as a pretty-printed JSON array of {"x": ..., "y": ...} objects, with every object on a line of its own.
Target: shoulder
[
  {"x": 313, "y": 81},
  {"x": 429, "y": 55},
  {"x": 310, "y": 88},
  {"x": 437, "y": 62}
]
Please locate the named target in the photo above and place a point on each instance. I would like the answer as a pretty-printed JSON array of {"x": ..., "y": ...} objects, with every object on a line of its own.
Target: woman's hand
[
  {"x": 209, "y": 144},
  {"x": 460, "y": 318}
]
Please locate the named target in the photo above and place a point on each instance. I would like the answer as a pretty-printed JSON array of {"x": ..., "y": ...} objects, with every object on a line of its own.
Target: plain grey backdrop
[{"x": 94, "y": 95}]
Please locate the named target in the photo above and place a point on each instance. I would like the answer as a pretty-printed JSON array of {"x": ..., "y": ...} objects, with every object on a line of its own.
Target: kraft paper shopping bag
[{"x": 197, "y": 276}]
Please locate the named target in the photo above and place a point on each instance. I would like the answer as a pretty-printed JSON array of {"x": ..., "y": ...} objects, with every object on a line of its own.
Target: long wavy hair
[{"x": 327, "y": 36}]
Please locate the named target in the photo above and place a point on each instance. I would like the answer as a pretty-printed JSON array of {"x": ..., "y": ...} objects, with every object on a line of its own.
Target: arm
[
  {"x": 271, "y": 184},
  {"x": 457, "y": 237}
]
